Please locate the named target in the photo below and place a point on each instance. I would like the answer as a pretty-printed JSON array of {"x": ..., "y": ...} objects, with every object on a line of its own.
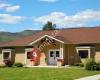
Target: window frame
[
  {"x": 28, "y": 52},
  {"x": 54, "y": 50},
  {"x": 85, "y": 48},
  {"x": 84, "y": 55},
  {"x": 6, "y": 50}
]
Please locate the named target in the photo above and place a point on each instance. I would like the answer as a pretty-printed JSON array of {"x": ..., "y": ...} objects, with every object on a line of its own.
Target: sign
[{"x": 35, "y": 55}]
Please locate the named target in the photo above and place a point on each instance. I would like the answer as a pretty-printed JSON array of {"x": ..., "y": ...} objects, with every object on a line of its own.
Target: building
[{"x": 67, "y": 46}]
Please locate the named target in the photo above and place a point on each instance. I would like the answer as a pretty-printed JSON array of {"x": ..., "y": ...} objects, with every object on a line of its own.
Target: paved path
[{"x": 95, "y": 77}]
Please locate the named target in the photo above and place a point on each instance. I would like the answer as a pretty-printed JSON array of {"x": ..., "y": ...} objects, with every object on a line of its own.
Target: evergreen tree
[{"x": 49, "y": 26}]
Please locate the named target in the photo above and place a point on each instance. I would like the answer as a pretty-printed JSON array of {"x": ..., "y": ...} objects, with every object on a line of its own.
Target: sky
[{"x": 19, "y": 15}]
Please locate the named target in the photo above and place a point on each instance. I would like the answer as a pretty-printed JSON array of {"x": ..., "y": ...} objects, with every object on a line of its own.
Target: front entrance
[{"x": 53, "y": 56}]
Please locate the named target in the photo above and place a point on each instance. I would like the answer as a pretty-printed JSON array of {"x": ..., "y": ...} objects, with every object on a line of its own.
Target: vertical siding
[
  {"x": 66, "y": 55},
  {"x": 97, "y": 52},
  {"x": 71, "y": 55}
]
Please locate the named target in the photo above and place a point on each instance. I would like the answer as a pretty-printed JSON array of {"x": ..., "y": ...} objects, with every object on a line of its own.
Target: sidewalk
[{"x": 95, "y": 77}]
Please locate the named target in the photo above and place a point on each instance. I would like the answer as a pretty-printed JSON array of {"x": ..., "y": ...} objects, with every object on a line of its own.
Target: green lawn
[{"x": 44, "y": 73}]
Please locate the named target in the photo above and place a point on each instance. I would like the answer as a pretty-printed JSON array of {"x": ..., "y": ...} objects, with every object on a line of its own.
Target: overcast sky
[{"x": 18, "y": 15}]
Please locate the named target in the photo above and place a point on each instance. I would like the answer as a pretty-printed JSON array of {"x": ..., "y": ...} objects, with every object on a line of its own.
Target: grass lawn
[{"x": 44, "y": 73}]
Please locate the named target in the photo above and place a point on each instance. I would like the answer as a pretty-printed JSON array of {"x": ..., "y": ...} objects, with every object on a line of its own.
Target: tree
[{"x": 49, "y": 26}]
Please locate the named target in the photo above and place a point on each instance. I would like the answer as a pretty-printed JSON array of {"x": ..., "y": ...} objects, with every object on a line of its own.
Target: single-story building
[{"x": 67, "y": 46}]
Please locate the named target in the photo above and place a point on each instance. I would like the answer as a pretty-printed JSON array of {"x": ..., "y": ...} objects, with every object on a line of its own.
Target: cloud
[
  {"x": 3, "y": 5},
  {"x": 62, "y": 19},
  {"x": 10, "y": 19},
  {"x": 13, "y": 8},
  {"x": 9, "y": 7},
  {"x": 49, "y": 0}
]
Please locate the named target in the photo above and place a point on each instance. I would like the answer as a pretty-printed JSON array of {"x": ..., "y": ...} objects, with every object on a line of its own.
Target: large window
[
  {"x": 28, "y": 55},
  {"x": 57, "y": 54},
  {"x": 83, "y": 53},
  {"x": 51, "y": 53},
  {"x": 6, "y": 55}
]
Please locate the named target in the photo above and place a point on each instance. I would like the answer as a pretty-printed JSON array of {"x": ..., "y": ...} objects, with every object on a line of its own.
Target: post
[
  {"x": 25, "y": 57},
  {"x": 89, "y": 53},
  {"x": 61, "y": 51},
  {"x": 60, "y": 60}
]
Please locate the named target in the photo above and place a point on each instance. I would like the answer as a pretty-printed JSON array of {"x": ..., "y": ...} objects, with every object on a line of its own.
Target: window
[
  {"x": 51, "y": 53},
  {"x": 28, "y": 55},
  {"x": 57, "y": 54},
  {"x": 6, "y": 55},
  {"x": 83, "y": 53}
]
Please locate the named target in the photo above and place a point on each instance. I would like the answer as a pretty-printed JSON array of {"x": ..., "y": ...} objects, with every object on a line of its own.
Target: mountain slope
[{"x": 8, "y": 36}]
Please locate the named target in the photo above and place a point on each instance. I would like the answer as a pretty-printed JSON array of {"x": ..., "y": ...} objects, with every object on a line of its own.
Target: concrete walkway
[{"x": 95, "y": 77}]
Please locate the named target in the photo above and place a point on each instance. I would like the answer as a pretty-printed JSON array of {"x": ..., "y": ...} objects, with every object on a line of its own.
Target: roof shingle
[{"x": 68, "y": 36}]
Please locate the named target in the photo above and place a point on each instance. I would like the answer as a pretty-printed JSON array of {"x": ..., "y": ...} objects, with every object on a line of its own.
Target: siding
[
  {"x": 20, "y": 54},
  {"x": 97, "y": 52},
  {"x": 1, "y": 56}
]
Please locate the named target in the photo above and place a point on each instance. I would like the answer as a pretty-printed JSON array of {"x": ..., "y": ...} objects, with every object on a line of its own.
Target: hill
[{"x": 8, "y": 36}]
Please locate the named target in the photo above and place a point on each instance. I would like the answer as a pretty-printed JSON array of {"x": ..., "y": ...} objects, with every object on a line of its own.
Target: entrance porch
[{"x": 52, "y": 52}]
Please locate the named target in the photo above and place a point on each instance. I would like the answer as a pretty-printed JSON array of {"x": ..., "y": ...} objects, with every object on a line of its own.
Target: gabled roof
[
  {"x": 1, "y": 43},
  {"x": 50, "y": 37},
  {"x": 68, "y": 36}
]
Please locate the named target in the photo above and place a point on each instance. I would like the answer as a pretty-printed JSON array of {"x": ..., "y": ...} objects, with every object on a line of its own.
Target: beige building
[{"x": 56, "y": 47}]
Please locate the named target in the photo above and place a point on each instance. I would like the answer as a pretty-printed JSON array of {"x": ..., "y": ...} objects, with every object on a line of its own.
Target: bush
[
  {"x": 18, "y": 65},
  {"x": 76, "y": 64},
  {"x": 79, "y": 64},
  {"x": 98, "y": 66},
  {"x": 90, "y": 64},
  {"x": 8, "y": 63},
  {"x": 98, "y": 63}
]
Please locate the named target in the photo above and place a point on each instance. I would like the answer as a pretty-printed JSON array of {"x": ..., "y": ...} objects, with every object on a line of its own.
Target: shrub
[
  {"x": 46, "y": 59},
  {"x": 98, "y": 63},
  {"x": 8, "y": 63},
  {"x": 76, "y": 64},
  {"x": 98, "y": 66},
  {"x": 90, "y": 64},
  {"x": 79, "y": 64},
  {"x": 18, "y": 65}
]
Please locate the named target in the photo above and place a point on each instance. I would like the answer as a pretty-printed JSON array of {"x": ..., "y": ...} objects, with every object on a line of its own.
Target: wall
[
  {"x": 71, "y": 54},
  {"x": 16, "y": 56},
  {"x": 20, "y": 54},
  {"x": 66, "y": 55},
  {"x": 97, "y": 52},
  {"x": 1, "y": 61},
  {"x": 45, "y": 52},
  {"x": 42, "y": 60}
]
